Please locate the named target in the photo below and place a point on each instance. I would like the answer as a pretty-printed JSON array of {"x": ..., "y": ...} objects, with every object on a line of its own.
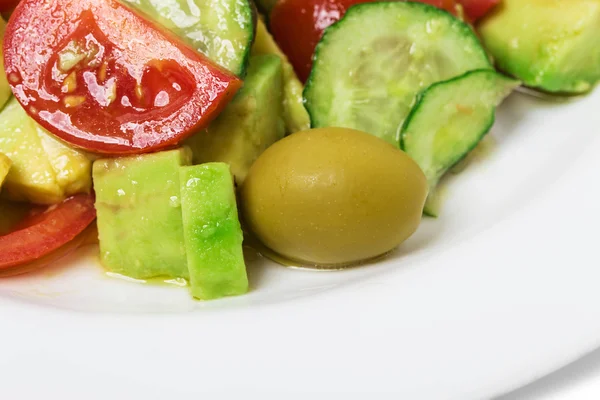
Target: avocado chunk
[
  {"x": 5, "y": 164},
  {"x": 44, "y": 170},
  {"x": 212, "y": 232},
  {"x": 551, "y": 45},
  {"x": 295, "y": 116},
  {"x": 250, "y": 123},
  {"x": 5, "y": 91},
  {"x": 139, "y": 214}
]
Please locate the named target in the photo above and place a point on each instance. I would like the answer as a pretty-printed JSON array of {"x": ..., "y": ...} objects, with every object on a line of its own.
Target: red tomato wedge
[
  {"x": 103, "y": 78},
  {"x": 7, "y": 5},
  {"x": 297, "y": 25},
  {"x": 477, "y": 9},
  {"x": 43, "y": 233}
]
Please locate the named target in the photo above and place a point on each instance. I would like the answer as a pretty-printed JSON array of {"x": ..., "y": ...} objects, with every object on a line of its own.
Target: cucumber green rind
[
  {"x": 368, "y": 79},
  {"x": 222, "y": 30},
  {"x": 449, "y": 119}
]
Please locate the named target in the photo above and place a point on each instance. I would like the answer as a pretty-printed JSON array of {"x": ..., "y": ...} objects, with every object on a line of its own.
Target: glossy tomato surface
[
  {"x": 44, "y": 232},
  {"x": 298, "y": 25},
  {"x": 103, "y": 78}
]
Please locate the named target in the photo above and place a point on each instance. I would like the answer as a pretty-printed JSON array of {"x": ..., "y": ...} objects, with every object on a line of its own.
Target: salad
[{"x": 316, "y": 131}]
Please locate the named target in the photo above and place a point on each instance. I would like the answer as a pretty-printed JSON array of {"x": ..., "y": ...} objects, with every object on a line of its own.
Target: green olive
[{"x": 333, "y": 197}]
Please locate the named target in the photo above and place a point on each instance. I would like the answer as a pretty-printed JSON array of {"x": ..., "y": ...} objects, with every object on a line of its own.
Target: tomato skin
[
  {"x": 137, "y": 89},
  {"x": 7, "y": 5},
  {"x": 43, "y": 233},
  {"x": 297, "y": 25},
  {"x": 476, "y": 9}
]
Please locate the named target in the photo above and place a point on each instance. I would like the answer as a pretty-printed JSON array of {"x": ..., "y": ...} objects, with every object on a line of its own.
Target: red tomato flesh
[
  {"x": 297, "y": 25},
  {"x": 7, "y": 5},
  {"x": 43, "y": 233},
  {"x": 103, "y": 78},
  {"x": 477, "y": 9}
]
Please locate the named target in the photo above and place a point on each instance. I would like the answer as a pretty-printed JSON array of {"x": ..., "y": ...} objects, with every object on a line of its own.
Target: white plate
[{"x": 500, "y": 290}]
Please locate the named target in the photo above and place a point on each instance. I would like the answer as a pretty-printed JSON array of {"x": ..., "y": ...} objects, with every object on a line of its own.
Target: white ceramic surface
[{"x": 500, "y": 290}]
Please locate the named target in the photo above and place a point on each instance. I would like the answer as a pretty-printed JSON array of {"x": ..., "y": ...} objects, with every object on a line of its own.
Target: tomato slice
[
  {"x": 103, "y": 78},
  {"x": 7, "y": 5},
  {"x": 45, "y": 232},
  {"x": 476, "y": 9},
  {"x": 297, "y": 25}
]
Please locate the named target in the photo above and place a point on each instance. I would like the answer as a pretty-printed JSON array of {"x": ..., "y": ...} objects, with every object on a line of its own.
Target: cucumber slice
[
  {"x": 222, "y": 30},
  {"x": 449, "y": 120},
  {"x": 370, "y": 66}
]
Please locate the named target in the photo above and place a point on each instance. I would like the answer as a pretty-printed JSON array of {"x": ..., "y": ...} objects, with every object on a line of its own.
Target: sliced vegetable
[
  {"x": 4, "y": 86},
  {"x": 548, "y": 44},
  {"x": 45, "y": 170},
  {"x": 5, "y": 164},
  {"x": 213, "y": 236},
  {"x": 103, "y": 78},
  {"x": 449, "y": 120},
  {"x": 139, "y": 214},
  {"x": 476, "y": 9},
  {"x": 222, "y": 30},
  {"x": 368, "y": 79},
  {"x": 43, "y": 233},
  {"x": 249, "y": 124},
  {"x": 295, "y": 115},
  {"x": 8, "y": 5}
]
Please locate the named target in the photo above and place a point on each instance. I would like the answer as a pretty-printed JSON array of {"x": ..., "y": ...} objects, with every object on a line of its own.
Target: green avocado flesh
[
  {"x": 5, "y": 164},
  {"x": 295, "y": 116},
  {"x": 5, "y": 91},
  {"x": 548, "y": 44},
  {"x": 139, "y": 214},
  {"x": 250, "y": 123},
  {"x": 222, "y": 30},
  {"x": 212, "y": 232},
  {"x": 44, "y": 170}
]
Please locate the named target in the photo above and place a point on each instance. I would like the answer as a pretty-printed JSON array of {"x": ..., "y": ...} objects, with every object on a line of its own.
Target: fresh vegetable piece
[
  {"x": 250, "y": 123},
  {"x": 213, "y": 236},
  {"x": 369, "y": 79},
  {"x": 332, "y": 197},
  {"x": 139, "y": 214},
  {"x": 42, "y": 233},
  {"x": 44, "y": 171},
  {"x": 477, "y": 9},
  {"x": 265, "y": 6},
  {"x": 548, "y": 44},
  {"x": 8, "y": 5},
  {"x": 4, "y": 86},
  {"x": 11, "y": 213},
  {"x": 50, "y": 258},
  {"x": 449, "y": 120},
  {"x": 222, "y": 30},
  {"x": 298, "y": 25},
  {"x": 295, "y": 115},
  {"x": 5, "y": 164},
  {"x": 83, "y": 77}
]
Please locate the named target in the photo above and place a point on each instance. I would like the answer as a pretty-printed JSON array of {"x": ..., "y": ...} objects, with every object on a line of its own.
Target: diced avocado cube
[
  {"x": 5, "y": 164},
  {"x": 139, "y": 214},
  {"x": 250, "y": 123},
  {"x": 44, "y": 170},
  {"x": 213, "y": 236},
  {"x": 294, "y": 113},
  {"x": 548, "y": 44}
]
